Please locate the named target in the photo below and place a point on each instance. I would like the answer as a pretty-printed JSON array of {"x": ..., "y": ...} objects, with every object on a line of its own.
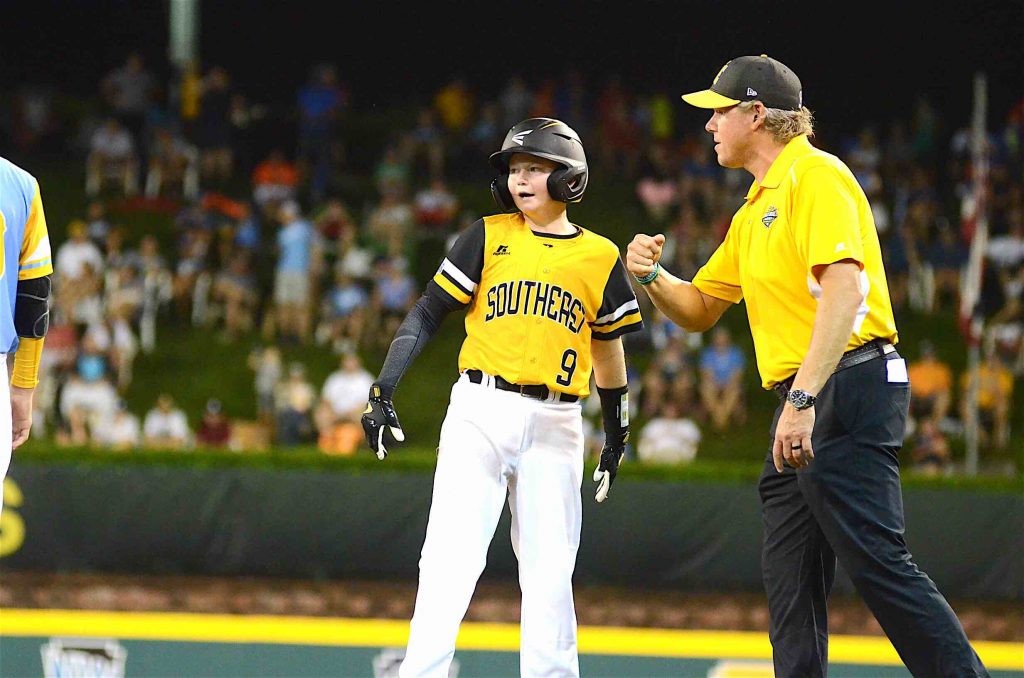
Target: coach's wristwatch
[{"x": 800, "y": 400}]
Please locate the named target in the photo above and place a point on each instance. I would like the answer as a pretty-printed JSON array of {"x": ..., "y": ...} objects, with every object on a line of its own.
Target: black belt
[
  {"x": 876, "y": 348},
  {"x": 538, "y": 391}
]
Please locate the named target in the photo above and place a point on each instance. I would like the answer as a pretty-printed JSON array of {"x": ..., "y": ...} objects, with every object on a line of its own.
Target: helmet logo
[{"x": 518, "y": 138}]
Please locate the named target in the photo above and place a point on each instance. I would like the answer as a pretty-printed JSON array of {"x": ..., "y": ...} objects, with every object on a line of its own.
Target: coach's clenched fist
[{"x": 643, "y": 253}]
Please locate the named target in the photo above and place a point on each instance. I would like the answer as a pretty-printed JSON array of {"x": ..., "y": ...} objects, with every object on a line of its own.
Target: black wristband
[{"x": 615, "y": 413}]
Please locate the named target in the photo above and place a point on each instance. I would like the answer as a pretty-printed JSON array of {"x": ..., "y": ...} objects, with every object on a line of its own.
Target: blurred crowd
[{"x": 268, "y": 243}]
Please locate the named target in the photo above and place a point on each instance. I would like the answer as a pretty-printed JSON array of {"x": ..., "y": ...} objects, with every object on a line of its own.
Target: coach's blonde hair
[{"x": 784, "y": 126}]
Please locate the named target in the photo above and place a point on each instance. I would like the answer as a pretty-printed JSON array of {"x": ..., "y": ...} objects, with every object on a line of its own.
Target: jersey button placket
[{"x": 539, "y": 274}]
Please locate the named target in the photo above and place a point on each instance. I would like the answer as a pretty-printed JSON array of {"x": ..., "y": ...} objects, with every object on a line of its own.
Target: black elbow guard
[{"x": 32, "y": 308}]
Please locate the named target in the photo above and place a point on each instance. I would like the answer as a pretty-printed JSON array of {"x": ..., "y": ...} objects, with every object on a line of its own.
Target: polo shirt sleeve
[
  {"x": 720, "y": 276},
  {"x": 825, "y": 218}
]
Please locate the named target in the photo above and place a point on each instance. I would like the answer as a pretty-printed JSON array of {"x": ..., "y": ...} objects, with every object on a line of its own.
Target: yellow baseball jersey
[
  {"x": 536, "y": 300},
  {"x": 808, "y": 211}
]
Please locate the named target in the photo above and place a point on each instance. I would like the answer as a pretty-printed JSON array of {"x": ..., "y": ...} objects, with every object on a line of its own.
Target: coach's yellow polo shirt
[{"x": 808, "y": 211}]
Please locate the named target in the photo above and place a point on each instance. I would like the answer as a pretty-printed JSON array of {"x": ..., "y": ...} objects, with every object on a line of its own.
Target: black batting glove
[
  {"x": 608, "y": 468},
  {"x": 615, "y": 414},
  {"x": 380, "y": 422}
]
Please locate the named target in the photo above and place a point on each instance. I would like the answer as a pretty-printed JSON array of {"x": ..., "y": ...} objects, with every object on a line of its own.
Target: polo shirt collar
[{"x": 796, "y": 148}]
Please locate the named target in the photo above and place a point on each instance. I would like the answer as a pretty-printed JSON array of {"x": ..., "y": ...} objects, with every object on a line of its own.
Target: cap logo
[
  {"x": 751, "y": 92},
  {"x": 518, "y": 137}
]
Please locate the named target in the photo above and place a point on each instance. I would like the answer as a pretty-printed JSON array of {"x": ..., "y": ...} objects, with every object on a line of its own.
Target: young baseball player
[
  {"x": 547, "y": 302},
  {"x": 25, "y": 270}
]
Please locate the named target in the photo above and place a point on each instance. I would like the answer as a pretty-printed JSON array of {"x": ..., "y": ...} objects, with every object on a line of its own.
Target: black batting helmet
[{"x": 545, "y": 138}]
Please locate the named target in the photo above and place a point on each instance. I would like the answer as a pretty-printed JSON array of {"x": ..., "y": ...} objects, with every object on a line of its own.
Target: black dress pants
[{"x": 848, "y": 505}]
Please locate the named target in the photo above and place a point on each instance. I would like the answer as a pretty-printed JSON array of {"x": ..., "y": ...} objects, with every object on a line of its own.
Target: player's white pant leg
[
  {"x": 5, "y": 426},
  {"x": 544, "y": 496},
  {"x": 482, "y": 432}
]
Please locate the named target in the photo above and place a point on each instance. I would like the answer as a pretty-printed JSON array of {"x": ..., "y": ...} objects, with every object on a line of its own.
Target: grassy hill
[{"x": 193, "y": 366}]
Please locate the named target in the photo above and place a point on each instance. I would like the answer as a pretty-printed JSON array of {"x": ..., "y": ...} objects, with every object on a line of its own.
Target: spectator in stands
[
  {"x": 193, "y": 261},
  {"x": 125, "y": 290},
  {"x": 515, "y": 101},
  {"x": 275, "y": 179},
  {"x": 113, "y": 156},
  {"x": 931, "y": 384},
  {"x": 129, "y": 91},
  {"x": 112, "y": 337},
  {"x": 427, "y": 145},
  {"x": 266, "y": 364},
  {"x": 342, "y": 401},
  {"x": 320, "y": 104},
  {"x": 657, "y": 187},
  {"x": 435, "y": 208},
  {"x": 722, "y": 366},
  {"x": 454, "y": 106},
  {"x": 390, "y": 224},
  {"x": 343, "y": 313},
  {"x": 165, "y": 426},
  {"x": 669, "y": 378},
  {"x": 115, "y": 252},
  {"x": 80, "y": 302},
  {"x": 392, "y": 173},
  {"x": 97, "y": 223},
  {"x": 295, "y": 399},
  {"x": 299, "y": 250},
  {"x": 214, "y": 427},
  {"x": 393, "y": 295},
  {"x": 214, "y": 129},
  {"x": 87, "y": 398},
  {"x": 74, "y": 253},
  {"x": 946, "y": 256},
  {"x": 669, "y": 437},
  {"x": 173, "y": 166},
  {"x": 335, "y": 224},
  {"x": 236, "y": 296},
  {"x": 120, "y": 430},
  {"x": 930, "y": 452},
  {"x": 994, "y": 382}
]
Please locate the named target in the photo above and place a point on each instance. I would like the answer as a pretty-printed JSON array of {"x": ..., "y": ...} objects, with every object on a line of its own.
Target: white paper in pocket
[{"x": 897, "y": 371}]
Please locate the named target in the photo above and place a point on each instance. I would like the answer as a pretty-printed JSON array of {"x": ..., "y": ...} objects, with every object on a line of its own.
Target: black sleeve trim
[{"x": 467, "y": 254}]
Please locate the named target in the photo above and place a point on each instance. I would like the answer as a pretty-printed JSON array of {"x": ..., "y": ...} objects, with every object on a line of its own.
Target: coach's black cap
[{"x": 750, "y": 78}]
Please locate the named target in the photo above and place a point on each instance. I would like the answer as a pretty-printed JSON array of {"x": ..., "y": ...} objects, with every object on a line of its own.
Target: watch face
[{"x": 799, "y": 399}]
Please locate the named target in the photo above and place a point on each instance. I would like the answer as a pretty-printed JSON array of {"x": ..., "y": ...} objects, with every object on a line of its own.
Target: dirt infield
[{"x": 493, "y": 602}]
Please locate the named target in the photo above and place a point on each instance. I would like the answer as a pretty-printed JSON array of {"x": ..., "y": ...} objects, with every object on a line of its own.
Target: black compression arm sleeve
[
  {"x": 31, "y": 308},
  {"x": 413, "y": 334}
]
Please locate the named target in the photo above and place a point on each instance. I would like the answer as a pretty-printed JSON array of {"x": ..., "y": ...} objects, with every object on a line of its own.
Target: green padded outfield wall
[{"x": 695, "y": 535}]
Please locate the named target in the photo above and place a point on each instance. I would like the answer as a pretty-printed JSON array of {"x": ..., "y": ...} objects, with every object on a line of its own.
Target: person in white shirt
[
  {"x": 668, "y": 438},
  {"x": 112, "y": 155},
  {"x": 119, "y": 430},
  {"x": 76, "y": 252},
  {"x": 343, "y": 396},
  {"x": 165, "y": 426}
]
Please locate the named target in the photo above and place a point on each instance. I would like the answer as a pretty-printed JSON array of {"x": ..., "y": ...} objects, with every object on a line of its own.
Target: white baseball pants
[{"x": 495, "y": 443}]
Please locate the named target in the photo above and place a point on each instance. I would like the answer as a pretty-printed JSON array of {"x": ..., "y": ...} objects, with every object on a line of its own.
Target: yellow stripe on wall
[{"x": 222, "y": 628}]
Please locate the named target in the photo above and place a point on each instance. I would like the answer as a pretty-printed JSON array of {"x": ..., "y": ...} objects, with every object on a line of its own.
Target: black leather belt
[
  {"x": 876, "y": 348},
  {"x": 537, "y": 391}
]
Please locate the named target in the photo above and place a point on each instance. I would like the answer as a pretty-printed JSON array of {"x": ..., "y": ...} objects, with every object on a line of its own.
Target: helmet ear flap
[
  {"x": 567, "y": 184},
  {"x": 502, "y": 196}
]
